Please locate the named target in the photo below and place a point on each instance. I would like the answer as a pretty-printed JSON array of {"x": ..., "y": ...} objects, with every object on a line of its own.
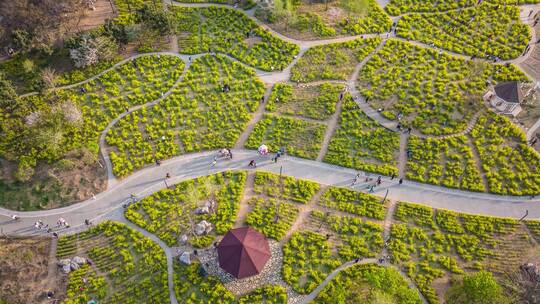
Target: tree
[
  {"x": 35, "y": 25},
  {"x": 477, "y": 288},
  {"x": 358, "y": 7},
  {"x": 92, "y": 50},
  {"x": 156, "y": 19},
  {"x": 49, "y": 78},
  {"x": 9, "y": 99}
]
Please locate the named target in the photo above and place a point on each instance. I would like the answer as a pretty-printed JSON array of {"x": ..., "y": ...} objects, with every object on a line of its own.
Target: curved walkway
[
  {"x": 151, "y": 179},
  {"x": 310, "y": 297}
]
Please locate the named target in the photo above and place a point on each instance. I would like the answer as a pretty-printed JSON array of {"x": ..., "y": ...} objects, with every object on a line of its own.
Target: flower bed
[
  {"x": 299, "y": 137},
  {"x": 398, "y": 7},
  {"x": 121, "y": 255},
  {"x": 332, "y": 61},
  {"x": 352, "y": 236},
  {"x": 315, "y": 102},
  {"x": 191, "y": 287},
  {"x": 271, "y": 217},
  {"x": 198, "y": 115},
  {"x": 429, "y": 244},
  {"x": 448, "y": 162},
  {"x": 269, "y": 294},
  {"x": 433, "y": 92},
  {"x": 362, "y": 143},
  {"x": 511, "y": 166},
  {"x": 307, "y": 260},
  {"x": 296, "y": 190},
  {"x": 307, "y": 21},
  {"x": 170, "y": 213},
  {"x": 481, "y": 30},
  {"x": 353, "y": 202},
  {"x": 225, "y": 30}
]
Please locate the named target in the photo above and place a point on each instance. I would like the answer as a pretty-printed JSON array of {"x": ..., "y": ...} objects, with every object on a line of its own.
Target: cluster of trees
[
  {"x": 484, "y": 30},
  {"x": 373, "y": 283}
]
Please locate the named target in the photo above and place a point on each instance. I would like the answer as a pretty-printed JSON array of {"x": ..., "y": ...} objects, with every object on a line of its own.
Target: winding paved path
[{"x": 151, "y": 179}]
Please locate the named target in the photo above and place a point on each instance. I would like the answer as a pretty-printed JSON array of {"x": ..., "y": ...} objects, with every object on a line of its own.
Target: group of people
[{"x": 378, "y": 182}]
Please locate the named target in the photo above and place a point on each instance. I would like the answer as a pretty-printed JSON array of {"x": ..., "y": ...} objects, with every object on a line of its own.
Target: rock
[
  {"x": 79, "y": 260},
  {"x": 203, "y": 227},
  {"x": 66, "y": 269},
  {"x": 74, "y": 266},
  {"x": 202, "y": 210},
  {"x": 183, "y": 239},
  {"x": 185, "y": 258},
  {"x": 531, "y": 271},
  {"x": 64, "y": 262}
]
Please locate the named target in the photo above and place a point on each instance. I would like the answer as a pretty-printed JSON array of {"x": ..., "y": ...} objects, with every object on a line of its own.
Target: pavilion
[{"x": 243, "y": 252}]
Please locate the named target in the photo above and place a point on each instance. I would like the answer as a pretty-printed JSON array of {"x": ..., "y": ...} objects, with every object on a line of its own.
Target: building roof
[
  {"x": 509, "y": 91},
  {"x": 243, "y": 252}
]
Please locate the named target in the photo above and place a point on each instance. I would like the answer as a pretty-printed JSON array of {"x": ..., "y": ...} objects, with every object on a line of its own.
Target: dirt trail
[
  {"x": 255, "y": 118},
  {"x": 330, "y": 129},
  {"x": 245, "y": 208},
  {"x": 304, "y": 211}
]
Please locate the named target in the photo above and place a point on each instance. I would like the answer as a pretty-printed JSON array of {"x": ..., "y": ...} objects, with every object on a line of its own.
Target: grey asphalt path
[{"x": 152, "y": 179}]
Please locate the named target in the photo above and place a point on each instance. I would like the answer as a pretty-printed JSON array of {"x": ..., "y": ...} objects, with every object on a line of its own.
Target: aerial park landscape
[{"x": 285, "y": 151}]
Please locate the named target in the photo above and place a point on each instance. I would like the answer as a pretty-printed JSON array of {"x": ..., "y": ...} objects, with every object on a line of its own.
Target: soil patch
[
  {"x": 252, "y": 41},
  {"x": 75, "y": 178},
  {"x": 103, "y": 10},
  {"x": 24, "y": 276}
]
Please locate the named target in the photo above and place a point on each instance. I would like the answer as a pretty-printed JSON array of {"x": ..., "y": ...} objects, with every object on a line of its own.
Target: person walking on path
[
  {"x": 379, "y": 180},
  {"x": 167, "y": 175},
  {"x": 393, "y": 176},
  {"x": 214, "y": 162},
  {"x": 252, "y": 163},
  {"x": 401, "y": 181}
]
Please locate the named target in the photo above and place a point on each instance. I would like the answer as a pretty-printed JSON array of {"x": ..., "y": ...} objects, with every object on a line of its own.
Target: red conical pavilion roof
[{"x": 243, "y": 252}]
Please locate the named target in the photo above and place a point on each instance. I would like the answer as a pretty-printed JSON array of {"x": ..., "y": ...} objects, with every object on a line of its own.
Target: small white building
[{"x": 506, "y": 97}]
